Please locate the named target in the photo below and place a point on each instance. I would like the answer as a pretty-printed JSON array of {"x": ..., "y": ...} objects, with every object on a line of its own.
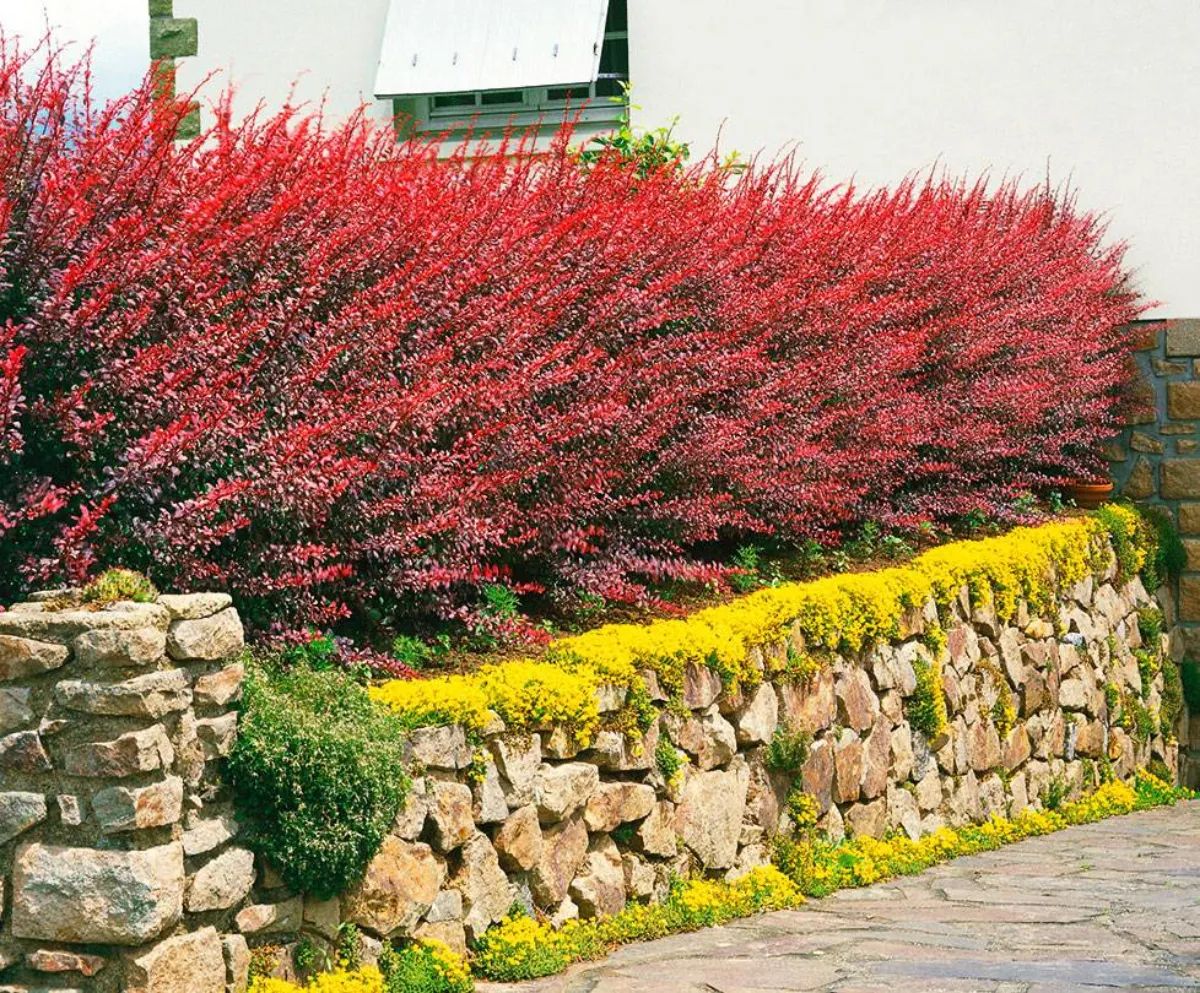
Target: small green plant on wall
[
  {"x": 317, "y": 774},
  {"x": 926, "y": 708}
]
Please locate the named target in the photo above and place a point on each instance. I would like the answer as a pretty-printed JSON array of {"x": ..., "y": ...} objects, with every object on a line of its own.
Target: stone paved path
[{"x": 1107, "y": 906}]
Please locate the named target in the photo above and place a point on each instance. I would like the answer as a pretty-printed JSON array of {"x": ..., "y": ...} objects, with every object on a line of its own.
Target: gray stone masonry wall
[
  {"x": 571, "y": 831},
  {"x": 119, "y": 852},
  {"x": 116, "y": 868},
  {"x": 1157, "y": 460}
]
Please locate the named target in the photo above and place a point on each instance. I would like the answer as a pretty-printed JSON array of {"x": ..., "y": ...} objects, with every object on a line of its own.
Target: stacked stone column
[
  {"x": 116, "y": 867},
  {"x": 1157, "y": 460}
]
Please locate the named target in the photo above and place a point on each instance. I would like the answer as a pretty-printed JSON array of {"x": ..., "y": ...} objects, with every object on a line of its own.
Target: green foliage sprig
[{"x": 317, "y": 775}]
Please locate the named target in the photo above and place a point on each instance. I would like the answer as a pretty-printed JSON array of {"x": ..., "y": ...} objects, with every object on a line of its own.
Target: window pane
[
  {"x": 609, "y": 88},
  {"x": 502, "y": 98},
  {"x": 576, "y": 94},
  {"x": 614, "y": 57},
  {"x": 444, "y": 100},
  {"x": 618, "y": 16}
]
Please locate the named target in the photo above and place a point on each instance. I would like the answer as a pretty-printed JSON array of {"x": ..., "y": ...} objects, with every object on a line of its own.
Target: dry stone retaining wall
[
  {"x": 117, "y": 859},
  {"x": 120, "y": 855}
]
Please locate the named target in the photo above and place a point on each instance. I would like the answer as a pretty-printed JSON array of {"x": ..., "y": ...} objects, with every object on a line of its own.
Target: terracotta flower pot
[{"x": 1090, "y": 494}]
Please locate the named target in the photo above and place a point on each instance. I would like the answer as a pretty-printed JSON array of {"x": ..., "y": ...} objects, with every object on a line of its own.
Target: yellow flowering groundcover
[{"x": 842, "y": 613}]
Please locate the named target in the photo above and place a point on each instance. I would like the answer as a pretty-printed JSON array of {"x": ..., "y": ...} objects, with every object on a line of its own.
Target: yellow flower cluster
[
  {"x": 366, "y": 979},
  {"x": 819, "y": 867},
  {"x": 525, "y": 694},
  {"x": 524, "y": 948},
  {"x": 837, "y": 613}
]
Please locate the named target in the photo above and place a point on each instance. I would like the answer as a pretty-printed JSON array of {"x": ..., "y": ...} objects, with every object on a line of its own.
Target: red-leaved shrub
[{"x": 335, "y": 376}]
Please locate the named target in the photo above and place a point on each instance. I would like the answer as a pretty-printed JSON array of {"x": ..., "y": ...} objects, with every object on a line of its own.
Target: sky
[{"x": 119, "y": 29}]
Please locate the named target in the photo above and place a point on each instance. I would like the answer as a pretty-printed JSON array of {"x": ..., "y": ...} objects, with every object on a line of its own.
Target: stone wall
[
  {"x": 119, "y": 849},
  {"x": 116, "y": 868},
  {"x": 1157, "y": 457},
  {"x": 576, "y": 831},
  {"x": 1157, "y": 460}
]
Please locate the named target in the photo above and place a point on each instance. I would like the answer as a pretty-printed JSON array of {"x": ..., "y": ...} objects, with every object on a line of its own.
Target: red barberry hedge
[{"x": 332, "y": 374}]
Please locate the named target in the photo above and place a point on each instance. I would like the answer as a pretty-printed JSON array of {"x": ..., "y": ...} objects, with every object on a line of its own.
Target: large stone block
[
  {"x": 62, "y": 627},
  {"x": 451, "y": 818},
  {"x": 152, "y": 695},
  {"x": 710, "y": 814},
  {"x": 19, "y": 812},
  {"x": 558, "y": 790},
  {"x": 1189, "y": 598},
  {"x": 186, "y": 963},
  {"x": 614, "y": 804},
  {"x": 599, "y": 889},
  {"x": 216, "y": 689},
  {"x": 137, "y": 751},
  {"x": 1183, "y": 337},
  {"x": 15, "y": 711},
  {"x": 118, "y": 647},
  {"x": 260, "y": 919},
  {"x": 85, "y": 896},
  {"x": 23, "y": 751},
  {"x": 1189, "y": 518},
  {"x": 21, "y": 658},
  {"x": 519, "y": 840},
  {"x": 207, "y": 639},
  {"x": 486, "y": 892},
  {"x": 222, "y": 882},
  {"x": 1181, "y": 477},
  {"x": 1140, "y": 483},
  {"x": 400, "y": 884},
  {"x": 564, "y": 846},
  {"x": 811, "y": 704},
  {"x": 194, "y": 606},
  {"x": 119, "y": 808},
  {"x": 442, "y": 747},
  {"x": 856, "y": 702}
]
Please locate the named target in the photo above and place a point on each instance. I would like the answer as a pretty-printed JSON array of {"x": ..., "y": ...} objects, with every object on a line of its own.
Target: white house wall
[
  {"x": 322, "y": 49},
  {"x": 1104, "y": 94}
]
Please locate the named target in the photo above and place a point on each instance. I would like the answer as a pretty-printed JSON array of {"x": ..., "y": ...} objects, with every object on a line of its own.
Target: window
[{"x": 598, "y": 101}]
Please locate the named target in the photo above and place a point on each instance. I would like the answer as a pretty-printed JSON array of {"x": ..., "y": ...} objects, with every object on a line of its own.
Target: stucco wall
[
  {"x": 1101, "y": 93},
  {"x": 311, "y": 50}
]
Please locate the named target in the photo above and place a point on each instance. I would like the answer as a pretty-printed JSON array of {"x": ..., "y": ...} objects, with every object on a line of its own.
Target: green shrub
[
  {"x": 113, "y": 585},
  {"x": 746, "y": 558},
  {"x": 317, "y": 775},
  {"x": 413, "y": 652},
  {"x": 1189, "y": 673},
  {"x": 1172, "y": 696},
  {"x": 1150, "y": 626},
  {"x": 1055, "y": 793},
  {"x": 668, "y": 760},
  {"x": 926, "y": 708},
  {"x": 1167, "y": 556},
  {"x": 319, "y": 652},
  {"x": 787, "y": 751}
]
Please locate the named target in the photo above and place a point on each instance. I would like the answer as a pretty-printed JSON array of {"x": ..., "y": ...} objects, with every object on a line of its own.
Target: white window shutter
[{"x": 451, "y": 46}]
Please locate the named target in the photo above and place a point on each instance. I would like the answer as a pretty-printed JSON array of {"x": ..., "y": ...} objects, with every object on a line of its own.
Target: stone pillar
[
  {"x": 1157, "y": 457},
  {"x": 173, "y": 38},
  {"x": 115, "y": 832}
]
